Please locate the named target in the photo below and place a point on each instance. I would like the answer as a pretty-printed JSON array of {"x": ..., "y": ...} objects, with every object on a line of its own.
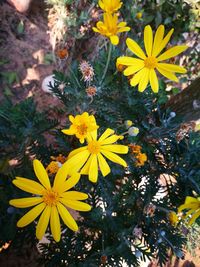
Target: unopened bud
[
  {"x": 133, "y": 131},
  {"x": 128, "y": 123},
  {"x": 162, "y": 233},
  {"x": 139, "y": 15},
  {"x": 172, "y": 114}
]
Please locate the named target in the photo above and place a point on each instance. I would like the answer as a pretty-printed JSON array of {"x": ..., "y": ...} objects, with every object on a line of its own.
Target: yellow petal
[
  {"x": 188, "y": 206},
  {"x": 191, "y": 200},
  {"x": 103, "y": 165},
  {"x": 194, "y": 217},
  {"x": 75, "y": 204},
  {"x": 95, "y": 29},
  {"x": 28, "y": 185},
  {"x": 164, "y": 42},
  {"x": 171, "y": 68},
  {"x": 100, "y": 24},
  {"x": 41, "y": 174},
  {"x": 61, "y": 176},
  {"x": 114, "y": 39},
  {"x": 74, "y": 195},
  {"x": 189, "y": 213},
  {"x": 153, "y": 81},
  {"x": 43, "y": 222},
  {"x": 77, "y": 161},
  {"x": 76, "y": 151},
  {"x": 94, "y": 135},
  {"x": 101, "y": 4},
  {"x": 86, "y": 167},
  {"x": 135, "y": 48},
  {"x": 144, "y": 80},
  {"x": 157, "y": 40},
  {"x": 71, "y": 118},
  {"x": 93, "y": 170},
  {"x": 55, "y": 224},
  {"x": 137, "y": 77},
  {"x": 123, "y": 29},
  {"x": 114, "y": 158},
  {"x": 133, "y": 69},
  {"x": 25, "y": 202},
  {"x": 167, "y": 74},
  {"x": 67, "y": 217},
  {"x": 148, "y": 39},
  {"x": 129, "y": 61},
  {"x": 31, "y": 215},
  {"x": 121, "y": 149},
  {"x": 172, "y": 52},
  {"x": 122, "y": 24},
  {"x": 71, "y": 182},
  {"x": 68, "y": 131},
  {"x": 110, "y": 140},
  {"x": 107, "y": 133}
]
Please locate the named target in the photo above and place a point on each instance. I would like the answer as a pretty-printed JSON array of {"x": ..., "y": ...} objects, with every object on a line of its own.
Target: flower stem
[{"x": 107, "y": 63}]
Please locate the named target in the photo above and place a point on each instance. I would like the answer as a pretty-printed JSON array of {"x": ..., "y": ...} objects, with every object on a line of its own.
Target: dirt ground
[{"x": 26, "y": 52}]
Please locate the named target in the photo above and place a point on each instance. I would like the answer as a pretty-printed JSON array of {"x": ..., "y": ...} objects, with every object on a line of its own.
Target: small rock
[{"x": 21, "y": 5}]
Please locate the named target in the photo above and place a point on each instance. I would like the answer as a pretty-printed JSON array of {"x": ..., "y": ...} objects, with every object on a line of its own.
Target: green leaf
[
  {"x": 7, "y": 92},
  {"x": 10, "y": 77},
  {"x": 48, "y": 59},
  {"x": 175, "y": 91},
  {"x": 20, "y": 27}
]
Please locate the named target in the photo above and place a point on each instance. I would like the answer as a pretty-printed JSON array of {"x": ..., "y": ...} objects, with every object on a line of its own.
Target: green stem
[{"x": 107, "y": 63}]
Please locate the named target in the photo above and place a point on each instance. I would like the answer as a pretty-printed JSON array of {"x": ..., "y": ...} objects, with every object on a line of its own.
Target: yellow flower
[
  {"x": 110, "y": 6},
  {"x": 141, "y": 159},
  {"x": 89, "y": 158},
  {"x": 60, "y": 158},
  {"x": 53, "y": 167},
  {"x": 81, "y": 126},
  {"x": 120, "y": 67},
  {"x": 192, "y": 204},
  {"x": 110, "y": 27},
  {"x": 173, "y": 218},
  {"x": 128, "y": 123},
  {"x": 135, "y": 148},
  {"x": 49, "y": 201},
  {"x": 144, "y": 66},
  {"x": 139, "y": 15}
]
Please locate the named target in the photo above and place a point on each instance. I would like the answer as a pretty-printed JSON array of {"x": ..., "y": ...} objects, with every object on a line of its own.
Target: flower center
[
  {"x": 82, "y": 129},
  {"x": 50, "y": 197},
  {"x": 94, "y": 147},
  {"x": 150, "y": 62}
]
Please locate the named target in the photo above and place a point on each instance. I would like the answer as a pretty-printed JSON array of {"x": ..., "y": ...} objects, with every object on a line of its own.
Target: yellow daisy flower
[
  {"x": 49, "y": 201},
  {"x": 193, "y": 205},
  {"x": 89, "y": 158},
  {"x": 81, "y": 126},
  {"x": 110, "y": 27},
  {"x": 173, "y": 218},
  {"x": 143, "y": 67},
  {"x": 110, "y": 6}
]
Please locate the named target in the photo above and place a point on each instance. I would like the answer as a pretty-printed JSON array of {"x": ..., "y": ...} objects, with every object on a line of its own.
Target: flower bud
[
  {"x": 139, "y": 15},
  {"x": 172, "y": 114},
  {"x": 133, "y": 131},
  {"x": 128, "y": 123}
]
